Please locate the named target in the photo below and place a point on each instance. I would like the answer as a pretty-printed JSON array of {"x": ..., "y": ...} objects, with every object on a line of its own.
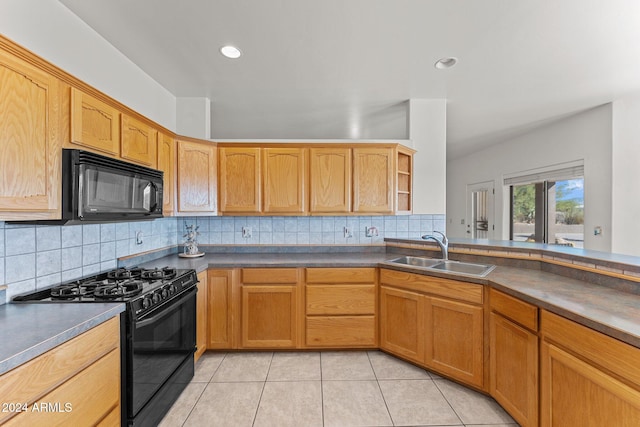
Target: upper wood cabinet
[
  {"x": 284, "y": 180},
  {"x": 373, "y": 180},
  {"x": 329, "y": 180},
  {"x": 404, "y": 180},
  {"x": 196, "y": 177},
  {"x": 167, "y": 164},
  {"x": 138, "y": 142},
  {"x": 240, "y": 180},
  {"x": 30, "y": 135},
  {"x": 94, "y": 124}
]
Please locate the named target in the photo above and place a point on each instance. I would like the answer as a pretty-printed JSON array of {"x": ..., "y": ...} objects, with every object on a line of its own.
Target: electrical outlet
[
  {"x": 347, "y": 233},
  {"x": 246, "y": 232},
  {"x": 370, "y": 231},
  {"x": 139, "y": 238}
]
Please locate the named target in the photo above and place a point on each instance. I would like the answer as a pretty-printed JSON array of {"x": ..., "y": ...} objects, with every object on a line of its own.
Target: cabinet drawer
[
  {"x": 341, "y": 331},
  {"x": 269, "y": 275},
  {"x": 341, "y": 299},
  {"x": 455, "y": 289},
  {"x": 102, "y": 378},
  {"x": 519, "y": 311},
  {"x": 341, "y": 275}
]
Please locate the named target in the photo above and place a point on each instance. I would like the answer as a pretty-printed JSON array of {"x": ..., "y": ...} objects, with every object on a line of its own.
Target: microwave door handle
[{"x": 153, "y": 198}]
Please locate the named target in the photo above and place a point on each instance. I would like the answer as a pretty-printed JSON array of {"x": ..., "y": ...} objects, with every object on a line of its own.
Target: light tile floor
[{"x": 303, "y": 389}]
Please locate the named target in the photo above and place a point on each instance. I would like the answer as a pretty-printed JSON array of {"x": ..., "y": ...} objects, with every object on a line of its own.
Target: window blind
[{"x": 551, "y": 173}]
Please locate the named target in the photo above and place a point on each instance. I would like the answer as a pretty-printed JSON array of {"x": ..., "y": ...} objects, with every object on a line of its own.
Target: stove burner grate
[
  {"x": 159, "y": 273},
  {"x": 118, "y": 290},
  {"x": 124, "y": 273}
]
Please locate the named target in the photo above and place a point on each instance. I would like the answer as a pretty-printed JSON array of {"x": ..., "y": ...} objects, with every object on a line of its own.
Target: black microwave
[{"x": 96, "y": 188}]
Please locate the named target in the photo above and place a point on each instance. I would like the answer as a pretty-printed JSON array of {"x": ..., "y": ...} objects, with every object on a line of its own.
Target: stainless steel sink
[
  {"x": 458, "y": 267},
  {"x": 415, "y": 261},
  {"x": 468, "y": 268}
]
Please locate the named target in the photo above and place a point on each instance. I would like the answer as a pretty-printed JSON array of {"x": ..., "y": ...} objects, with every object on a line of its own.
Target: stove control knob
[
  {"x": 157, "y": 297},
  {"x": 172, "y": 289},
  {"x": 146, "y": 302},
  {"x": 165, "y": 292}
]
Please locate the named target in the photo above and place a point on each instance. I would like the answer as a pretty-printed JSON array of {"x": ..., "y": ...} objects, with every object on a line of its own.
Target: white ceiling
[{"x": 345, "y": 68}]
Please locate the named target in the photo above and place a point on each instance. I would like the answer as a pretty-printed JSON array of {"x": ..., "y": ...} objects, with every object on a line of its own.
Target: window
[{"x": 548, "y": 206}]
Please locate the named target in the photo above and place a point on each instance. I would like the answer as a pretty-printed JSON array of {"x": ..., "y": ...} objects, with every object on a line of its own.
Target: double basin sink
[{"x": 464, "y": 268}]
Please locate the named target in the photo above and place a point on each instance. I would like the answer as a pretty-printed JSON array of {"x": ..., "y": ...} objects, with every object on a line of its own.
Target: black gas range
[{"x": 158, "y": 332}]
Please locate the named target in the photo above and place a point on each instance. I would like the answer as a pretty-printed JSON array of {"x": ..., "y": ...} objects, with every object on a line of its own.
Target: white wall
[
  {"x": 52, "y": 31},
  {"x": 193, "y": 117},
  {"x": 626, "y": 176},
  {"x": 427, "y": 125},
  {"x": 586, "y": 135}
]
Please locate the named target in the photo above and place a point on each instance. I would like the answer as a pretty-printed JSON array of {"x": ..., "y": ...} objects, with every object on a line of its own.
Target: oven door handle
[{"x": 141, "y": 323}]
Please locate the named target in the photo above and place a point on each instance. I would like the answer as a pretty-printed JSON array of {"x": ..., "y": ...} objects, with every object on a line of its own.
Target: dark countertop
[
  {"x": 604, "y": 309},
  {"x": 29, "y": 330}
]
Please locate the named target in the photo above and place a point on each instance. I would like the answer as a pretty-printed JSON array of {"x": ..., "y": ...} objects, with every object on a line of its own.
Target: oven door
[{"x": 161, "y": 341}]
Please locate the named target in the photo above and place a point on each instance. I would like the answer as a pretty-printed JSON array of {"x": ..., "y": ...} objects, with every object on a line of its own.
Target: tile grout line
[
  {"x": 264, "y": 384},
  {"x": 393, "y": 423},
  {"x": 448, "y": 403},
  {"x": 203, "y": 390},
  {"x": 321, "y": 391}
]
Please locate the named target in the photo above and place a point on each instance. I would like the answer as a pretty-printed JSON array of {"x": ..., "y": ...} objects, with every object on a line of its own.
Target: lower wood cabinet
[
  {"x": 438, "y": 323},
  {"x": 220, "y": 309},
  {"x": 269, "y": 308},
  {"x": 64, "y": 375},
  {"x": 588, "y": 379},
  {"x": 454, "y": 339},
  {"x": 402, "y": 323},
  {"x": 341, "y": 307},
  {"x": 513, "y": 363},
  {"x": 201, "y": 315}
]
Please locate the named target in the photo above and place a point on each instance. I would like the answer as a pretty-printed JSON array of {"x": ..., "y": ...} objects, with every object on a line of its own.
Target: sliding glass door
[{"x": 548, "y": 211}]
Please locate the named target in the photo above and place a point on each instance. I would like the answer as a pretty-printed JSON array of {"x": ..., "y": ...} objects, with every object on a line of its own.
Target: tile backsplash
[{"x": 33, "y": 257}]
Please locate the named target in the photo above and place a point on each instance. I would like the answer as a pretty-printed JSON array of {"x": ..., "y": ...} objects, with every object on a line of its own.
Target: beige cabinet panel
[
  {"x": 240, "y": 180},
  {"x": 330, "y": 180},
  {"x": 269, "y": 316},
  {"x": 513, "y": 367},
  {"x": 30, "y": 153},
  {"x": 138, "y": 142},
  {"x": 202, "y": 316},
  {"x": 402, "y": 323},
  {"x": 167, "y": 164},
  {"x": 284, "y": 180},
  {"x": 220, "y": 309},
  {"x": 455, "y": 339},
  {"x": 94, "y": 124},
  {"x": 196, "y": 177},
  {"x": 373, "y": 182}
]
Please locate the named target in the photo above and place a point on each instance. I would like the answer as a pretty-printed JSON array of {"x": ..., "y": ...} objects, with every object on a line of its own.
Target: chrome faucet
[{"x": 442, "y": 242}]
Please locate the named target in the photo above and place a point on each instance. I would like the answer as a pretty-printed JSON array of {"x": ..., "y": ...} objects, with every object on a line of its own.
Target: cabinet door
[
  {"x": 402, "y": 323},
  {"x": 31, "y": 141},
  {"x": 269, "y": 316},
  {"x": 167, "y": 164},
  {"x": 454, "y": 339},
  {"x": 94, "y": 124},
  {"x": 513, "y": 378},
  {"x": 196, "y": 177},
  {"x": 373, "y": 188},
  {"x": 220, "y": 284},
  {"x": 138, "y": 142},
  {"x": 201, "y": 315},
  {"x": 330, "y": 180},
  {"x": 240, "y": 180},
  {"x": 576, "y": 393},
  {"x": 284, "y": 180}
]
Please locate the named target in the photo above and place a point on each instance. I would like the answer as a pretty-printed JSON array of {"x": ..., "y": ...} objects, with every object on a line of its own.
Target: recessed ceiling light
[
  {"x": 444, "y": 63},
  {"x": 230, "y": 52}
]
